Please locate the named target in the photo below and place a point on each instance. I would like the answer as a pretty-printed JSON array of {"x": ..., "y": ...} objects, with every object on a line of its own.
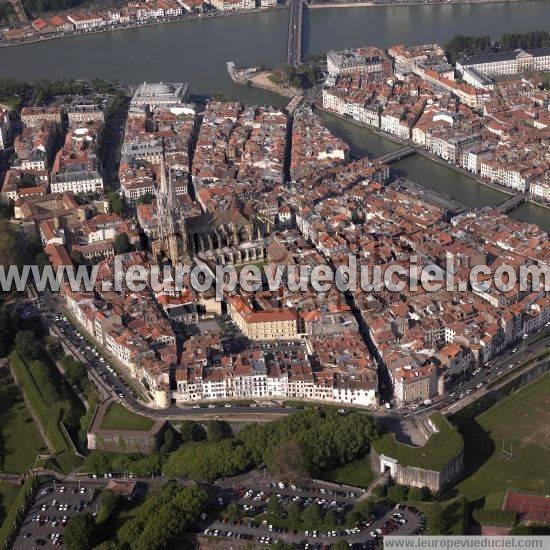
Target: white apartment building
[
  {"x": 367, "y": 114},
  {"x": 540, "y": 190},
  {"x": 85, "y": 20},
  {"x": 392, "y": 123},
  {"x": 504, "y": 175},
  {"x": 77, "y": 182},
  {"x": 137, "y": 187},
  {"x": 259, "y": 385},
  {"x": 233, "y": 5},
  {"x": 510, "y": 62}
]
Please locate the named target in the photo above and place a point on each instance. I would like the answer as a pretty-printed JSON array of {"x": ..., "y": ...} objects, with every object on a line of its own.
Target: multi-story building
[
  {"x": 508, "y": 62},
  {"x": 161, "y": 94},
  {"x": 77, "y": 167},
  {"x": 86, "y": 19},
  {"x": 269, "y": 324},
  {"x": 233, "y": 5},
  {"x": 355, "y": 61}
]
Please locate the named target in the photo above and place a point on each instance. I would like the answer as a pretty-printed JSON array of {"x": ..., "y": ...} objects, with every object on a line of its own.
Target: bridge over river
[{"x": 294, "y": 47}]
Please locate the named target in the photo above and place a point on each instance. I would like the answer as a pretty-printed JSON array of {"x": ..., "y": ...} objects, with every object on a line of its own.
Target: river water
[{"x": 197, "y": 51}]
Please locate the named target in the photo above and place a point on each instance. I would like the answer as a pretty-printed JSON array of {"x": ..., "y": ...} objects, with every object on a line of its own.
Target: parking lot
[
  {"x": 252, "y": 499},
  {"x": 52, "y": 508}
]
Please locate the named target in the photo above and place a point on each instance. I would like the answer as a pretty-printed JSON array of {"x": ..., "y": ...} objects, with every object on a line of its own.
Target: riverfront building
[
  {"x": 364, "y": 60},
  {"x": 509, "y": 62},
  {"x": 160, "y": 94}
]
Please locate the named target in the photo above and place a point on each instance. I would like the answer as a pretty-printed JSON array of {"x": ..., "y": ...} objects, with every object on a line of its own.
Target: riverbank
[
  {"x": 390, "y": 3},
  {"x": 139, "y": 25},
  {"x": 263, "y": 81},
  {"x": 430, "y": 156}
]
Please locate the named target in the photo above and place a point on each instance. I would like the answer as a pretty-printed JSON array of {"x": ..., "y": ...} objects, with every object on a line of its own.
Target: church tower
[{"x": 171, "y": 229}]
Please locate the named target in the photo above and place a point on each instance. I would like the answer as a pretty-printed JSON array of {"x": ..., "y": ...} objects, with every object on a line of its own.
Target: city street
[{"x": 460, "y": 392}]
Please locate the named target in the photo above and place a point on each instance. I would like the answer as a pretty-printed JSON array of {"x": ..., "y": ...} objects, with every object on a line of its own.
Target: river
[{"x": 197, "y": 51}]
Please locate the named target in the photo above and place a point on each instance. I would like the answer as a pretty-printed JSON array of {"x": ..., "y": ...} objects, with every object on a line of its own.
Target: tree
[
  {"x": 12, "y": 245},
  {"x": 6, "y": 208},
  {"x": 427, "y": 493},
  {"x": 206, "y": 460},
  {"x": 164, "y": 517},
  {"x": 79, "y": 533},
  {"x": 380, "y": 491},
  {"x": 77, "y": 257},
  {"x": 191, "y": 431},
  {"x": 366, "y": 508},
  {"x": 293, "y": 512},
  {"x": 27, "y": 345},
  {"x": 312, "y": 515},
  {"x": 147, "y": 198},
  {"x": 353, "y": 517},
  {"x": 274, "y": 508},
  {"x": 397, "y": 493},
  {"x": 122, "y": 243},
  {"x": 415, "y": 494},
  {"x": 288, "y": 461},
  {"x": 110, "y": 505},
  {"x": 436, "y": 521},
  {"x": 330, "y": 518},
  {"x": 116, "y": 203},
  {"x": 146, "y": 466},
  {"x": 97, "y": 463},
  {"x": 232, "y": 511},
  {"x": 170, "y": 440},
  {"x": 340, "y": 544},
  {"x": 532, "y": 529},
  {"x": 217, "y": 430},
  {"x": 8, "y": 327}
]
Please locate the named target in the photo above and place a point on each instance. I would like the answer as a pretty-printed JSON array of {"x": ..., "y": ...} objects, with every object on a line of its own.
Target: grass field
[
  {"x": 440, "y": 448},
  {"x": 43, "y": 402},
  {"x": 119, "y": 417},
  {"x": 21, "y": 440},
  {"x": 357, "y": 473},
  {"x": 523, "y": 422},
  {"x": 8, "y": 493}
]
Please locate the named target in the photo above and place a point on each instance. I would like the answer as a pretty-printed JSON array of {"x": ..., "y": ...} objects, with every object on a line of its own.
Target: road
[
  {"x": 294, "y": 48},
  {"x": 462, "y": 390},
  {"x": 467, "y": 388},
  {"x": 119, "y": 387}
]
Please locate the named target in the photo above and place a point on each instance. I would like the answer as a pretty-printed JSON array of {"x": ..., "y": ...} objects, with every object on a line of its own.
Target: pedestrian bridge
[
  {"x": 398, "y": 154},
  {"x": 512, "y": 202}
]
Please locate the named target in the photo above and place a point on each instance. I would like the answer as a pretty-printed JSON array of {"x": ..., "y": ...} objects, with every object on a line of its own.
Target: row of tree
[
  {"x": 461, "y": 45},
  {"x": 308, "y": 442},
  {"x": 44, "y": 89},
  {"x": 165, "y": 516}
]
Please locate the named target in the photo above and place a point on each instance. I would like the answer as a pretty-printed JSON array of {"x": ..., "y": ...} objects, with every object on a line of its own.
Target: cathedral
[{"x": 226, "y": 236}]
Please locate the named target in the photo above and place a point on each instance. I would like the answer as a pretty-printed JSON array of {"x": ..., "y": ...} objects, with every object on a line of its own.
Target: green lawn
[
  {"x": 119, "y": 417},
  {"x": 454, "y": 514},
  {"x": 440, "y": 448},
  {"x": 21, "y": 440},
  {"x": 522, "y": 420},
  {"x": 42, "y": 398},
  {"x": 357, "y": 473},
  {"x": 8, "y": 493}
]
